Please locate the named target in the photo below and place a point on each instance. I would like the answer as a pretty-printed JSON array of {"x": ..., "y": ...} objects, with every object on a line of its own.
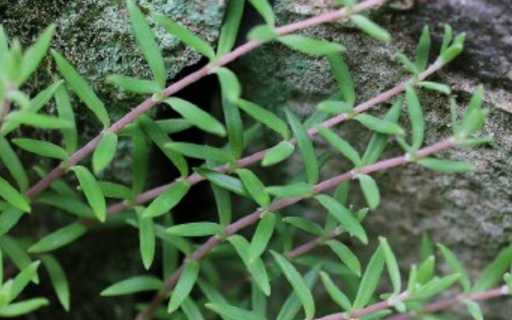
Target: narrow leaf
[
  {"x": 198, "y": 151},
  {"x": 147, "y": 43},
  {"x": 446, "y": 166},
  {"x": 229, "y": 30},
  {"x": 456, "y": 266},
  {"x": 343, "y": 77},
  {"x": 231, "y": 312},
  {"x": 370, "y": 280},
  {"x": 392, "y": 265},
  {"x": 370, "y": 190},
  {"x": 341, "y": 145},
  {"x": 255, "y": 187},
  {"x": 474, "y": 310},
  {"x": 265, "y": 10},
  {"x": 195, "y": 229},
  {"x": 184, "y": 286},
  {"x": 336, "y": 295},
  {"x": 82, "y": 89},
  {"x": 186, "y": 36},
  {"x": 494, "y": 272},
  {"x": 13, "y": 196},
  {"x": 371, "y": 28},
  {"x": 42, "y": 148},
  {"x": 305, "y": 146},
  {"x": 146, "y": 240},
  {"x": 310, "y": 46},
  {"x": 262, "y": 236},
  {"x": 59, "y": 238},
  {"x": 36, "y": 53},
  {"x": 346, "y": 256},
  {"x": 13, "y": 164},
  {"x": 300, "y": 288},
  {"x": 65, "y": 111},
  {"x": 416, "y": 117},
  {"x": 291, "y": 190},
  {"x": 133, "y": 285},
  {"x": 224, "y": 181},
  {"x": 58, "y": 280},
  {"x": 380, "y": 125},
  {"x": 134, "y": 85},
  {"x": 23, "y": 307},
  {"x": 167, "y": 200},
  {"x": 92, "y": 192},
  {"x": 423, "y": 50},
  {"x": 197, "y": 116},
  {"x": 304, "y": 224},
  {"x": 266, "y": 117},
  {"x": 279, "y": 153}
]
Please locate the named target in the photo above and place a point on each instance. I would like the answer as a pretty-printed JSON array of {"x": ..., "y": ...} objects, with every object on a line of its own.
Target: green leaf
[
  {"x": 343, "y": 77},
  {"x": 370, "y": 190},
  {"x": 115, "y": 190},
  {"x": 58, "y": 280},
  {"x": 27, "y": 275},
  {"x": 256, "y": 267},
  {"x": 24, "y": 307},
  {"x": 146, "y": 240},
  {"x": 147, "y": 43},
  {"x": 229, "y": 83},
  {"x": 447, "y": 38},
  {"x": 191, "y": 310},
  {"x": 304, "y": 224},
  {"x": 456, "y": 266},
  {"x": 184, "y": 35},
  {"x": 14, "y": 249},
  {"x": 235, "y": 127},
  {"x": 65, "y": 111},
  {"x": 434, "y": 86},
  {"x": 474, "y": 310},
  {"x": 305, "y": 146},
  {"x": 426, "y": 270},
  {"x": 196, "y": 229},
  {"x": 59, "y": 238},
  {"x": 292, "y": 304},
  {"x": 291, "y": 190},
  {"x": 231, "y": 312},
  {"x": 224, "y": 181},
  {"x": 198, "y": 151},
  {"x": 9, "y": 218},
  {"x": 426, "y": 247},
  {"x": 494, "y": 272},
  {"x": 341, "y": 145},
  {"x": 13, "y": 164},
  {"x": 278, "y": 153},
  {"x": 67, "y": 204},
  {"x": 310, "y": 46},
  {"x": 184, "y": 286},
  {"x": 133, "y": 285},
  {"x": 380, "y": 125},
  {"x": 13, "y": 197},
  {"x": 446, "y": 166},
  {"x": 416, "y": 117},
  {"x": 92, "y": 192},
  {"x": 42, "y": 148},
  {"x": 223, "y": 203},
  {"x": 346, "y": 256},
  {"x": 255, "y": 187},
  {"x": 229, "y": 30},
  {"x": 262, "y": 33},
  {"x": 423, "y": 50},
  {"x": 265, "y": 10},
  {"x": 300, "y": 287},
  {"x": 408, "y": 64},
  {"x": 134, "y": 85},
  {"x": 38, "y": 120},
  {"x": 36, "y": 53},
  {"x": 379, "y": 142},
  {"x": 167, "y": 200},
  {"x": 435, "y": 287},
  {"x": 336, "y": 295},
  {"x": 267, "y": 118},
  {"x": 335, "y": 107},
  {"x": 452, "y": 53},
  {"x": 371, "y": 28},
  {"x": 170, "y": 126},
  {"x": 82, "y": 89},
  {"x": 160, "y": 138},
  {"x": 105, "y": 151},
  {"x": 262, "y": 236},
  {"x": 344, "y": 216},
  {"x": 197, "y": 116},
  {"x": 370, "y": 279},
  {"x": 392, "y": 265}
]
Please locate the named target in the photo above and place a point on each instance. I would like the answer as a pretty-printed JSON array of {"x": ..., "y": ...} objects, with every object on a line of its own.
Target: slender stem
[
  {"x": 145, "y": 106},
  {"x": 453, "y": 302},
  {"x": 252, "y": 218}
]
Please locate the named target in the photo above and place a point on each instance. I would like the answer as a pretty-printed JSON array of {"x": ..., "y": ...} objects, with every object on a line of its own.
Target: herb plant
[{"x": 193, "y": 284}]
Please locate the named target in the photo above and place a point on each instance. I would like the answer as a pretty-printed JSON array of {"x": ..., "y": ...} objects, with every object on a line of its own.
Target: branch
[
  {"x": 248, "y": 220},
  {"x": 453, "y": 302},
  {"x": 145, "y": 106}
]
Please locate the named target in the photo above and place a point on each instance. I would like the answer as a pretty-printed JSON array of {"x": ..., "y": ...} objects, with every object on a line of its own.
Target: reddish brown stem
[
  {"x": 443, "y": 305},
  {"x": 248, "y": 220}
]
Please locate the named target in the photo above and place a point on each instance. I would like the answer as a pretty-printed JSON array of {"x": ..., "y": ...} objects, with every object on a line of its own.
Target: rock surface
[{"x": 470, "y": 213}]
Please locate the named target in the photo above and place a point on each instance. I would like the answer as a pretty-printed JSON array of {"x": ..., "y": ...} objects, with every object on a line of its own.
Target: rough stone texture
[{"x": 471, "y": 213}]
